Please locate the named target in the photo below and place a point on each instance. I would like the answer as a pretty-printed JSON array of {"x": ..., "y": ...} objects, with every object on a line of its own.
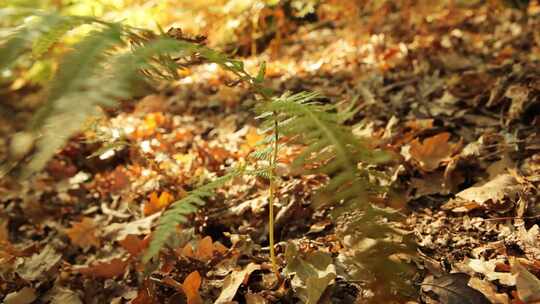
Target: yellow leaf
[{"x": 157, "y": 203}]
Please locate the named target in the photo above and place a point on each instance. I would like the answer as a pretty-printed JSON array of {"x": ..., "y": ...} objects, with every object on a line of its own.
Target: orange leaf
[
  {"x": 83, "y": 233},
  {"x": 205, "y": 249},
  {"x": 191, "y": 286},
  {"x": 220, "y": 248},
  {"x": 105, "y": 269},
  {"x": 146, "y": 294},
  {"x": 187, "y": 251},
  {"x": 133, "y": 244},
  {"x": 157, "y": 203},
  {"x": 432, "y": 151}
]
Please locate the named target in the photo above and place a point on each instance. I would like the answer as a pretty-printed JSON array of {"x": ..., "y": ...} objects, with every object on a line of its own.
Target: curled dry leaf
[
  {"x": 205, "y": 249},
  {"x": 83, "y": 233},
  {"x": 489, "y": 290},
  {"x": 26, "y": 295},
  {"x": 134, "y": 245},
  {"x": 311, "y": 275},
  {"x": 119, "y": 231},
  {"x": 498, "y": 193},
  {"x": 528, "y": 285},
  {"x": 433, "y": 151},
  {"x": 233, "y": 282},
  {"x": 40, "y": 264},
  {"x": 452, "y": 289}
]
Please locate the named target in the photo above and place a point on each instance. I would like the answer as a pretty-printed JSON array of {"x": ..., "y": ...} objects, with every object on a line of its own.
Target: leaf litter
[{"x": 457, "y": 99}]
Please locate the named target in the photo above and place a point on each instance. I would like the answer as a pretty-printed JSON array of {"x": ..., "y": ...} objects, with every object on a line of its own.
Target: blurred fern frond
[
  {"x": 74, "y": 94},
  {"x": 99, "y": 71}
]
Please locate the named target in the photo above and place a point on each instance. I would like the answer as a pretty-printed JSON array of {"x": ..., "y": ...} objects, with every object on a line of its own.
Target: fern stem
[{"x": 272, "y": 196}]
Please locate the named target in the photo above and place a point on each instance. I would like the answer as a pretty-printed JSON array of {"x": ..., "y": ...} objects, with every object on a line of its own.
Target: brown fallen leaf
[
  {"x": 433, "y": 151},
  {"x": 452, "y": 289},
  {"x": 104, "y": 269},
  {"x": 233, "y": 282},
  {"x": 133, "y": 244},
  {"x": 205, "y": 249},
  {"x": 191, "y": 286},
  {"x": 499, "y": 193},
  {"x": 119, "y": 231},
  {"x": 146, "y": 294},
  {"x": 83, "y": 233},
  {"x": 39, "y": 265},
  {"x": 26, "y": 295},
  {"x": 528, "y": 285},
  {"x": 489, "y": 290}
]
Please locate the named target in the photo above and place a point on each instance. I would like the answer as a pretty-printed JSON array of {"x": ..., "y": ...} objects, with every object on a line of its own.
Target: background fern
[
  {"x": 74, "y": 94},
  {"x": 36, "y": 35},
  {"x": 99, "y": 71}
]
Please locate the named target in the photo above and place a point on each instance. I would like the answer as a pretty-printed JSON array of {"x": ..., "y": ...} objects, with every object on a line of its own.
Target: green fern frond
[
  {"x": 179, "y": 210},
  {"x": 331, "y": 148}
]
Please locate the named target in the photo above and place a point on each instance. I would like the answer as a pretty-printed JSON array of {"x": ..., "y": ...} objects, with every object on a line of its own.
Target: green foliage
[
  {"x": 102, "y": 69},
  {"x": 99, "y": 71},
  {"x": 74, "y": 94},
  {"x": 36, "y": 35},
  {"x": 179, "y": 210},
  {"x": 331, "y": 149}
]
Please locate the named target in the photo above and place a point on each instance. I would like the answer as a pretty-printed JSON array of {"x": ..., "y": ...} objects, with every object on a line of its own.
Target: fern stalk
[{"x": 271, "y": 198}]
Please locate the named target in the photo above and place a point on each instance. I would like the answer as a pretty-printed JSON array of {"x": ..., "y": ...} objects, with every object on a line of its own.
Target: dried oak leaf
[
  {"x": 83, "y": 233},
  {"x": 119, "y": 231},
  {"x": 498, "y": 193},
  {"x": 433, "y": 151},
  {"x": 311, "y": 275},
  {"x": 452, "y": 289},
  {"x": 489, "y": 290},
  {"x": 191, "y": 286},
  {"x": 104, "y": 269}
]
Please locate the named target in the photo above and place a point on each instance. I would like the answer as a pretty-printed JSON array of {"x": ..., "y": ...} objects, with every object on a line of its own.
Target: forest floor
[{"x": 454, "y": 94}]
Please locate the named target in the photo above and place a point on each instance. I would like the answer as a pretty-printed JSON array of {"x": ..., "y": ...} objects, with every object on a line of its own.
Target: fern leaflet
[
  {"x": 331, "y": 148},
  {"x": 179, "y": 210}
]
